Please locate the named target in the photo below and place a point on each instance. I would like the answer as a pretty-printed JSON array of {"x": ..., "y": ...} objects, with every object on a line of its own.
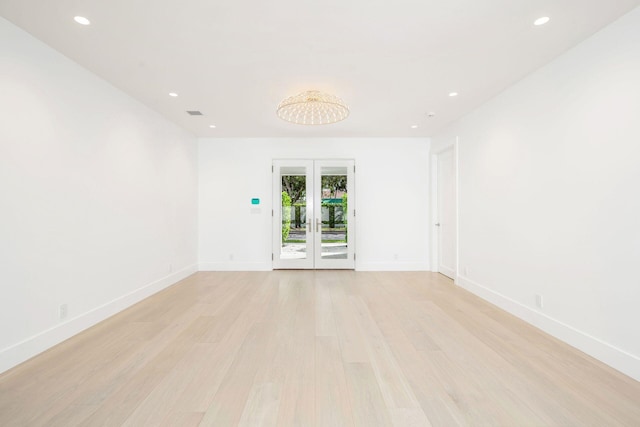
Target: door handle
[
  {"x": 437, "y": 224},
  {"x": 309, "y": 226},
  {"x": 317, "y": 224}
]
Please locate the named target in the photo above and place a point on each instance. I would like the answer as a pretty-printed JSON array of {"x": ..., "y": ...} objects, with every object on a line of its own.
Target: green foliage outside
[
  {"x": 295, "y": 195},
  {"x": 295, "y": 186},
  {"x": 334, "y": 183},
  {"x": 286, "y": 215},
  {"x": 298, "y": 210},
  {"x": 345, "y": 216}
]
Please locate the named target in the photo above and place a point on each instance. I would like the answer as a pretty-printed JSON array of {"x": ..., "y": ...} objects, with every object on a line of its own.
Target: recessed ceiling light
[
  {"x": 431, "y": 114},
  {"x": 414, "y": 126},
  {"x": 453, "y": 94},
  {"x": 212, "y": 126},
  {"x": 81, "y": 20},
  {"x": 173, "y": 94},
  {"x": 541, "y": 21}
]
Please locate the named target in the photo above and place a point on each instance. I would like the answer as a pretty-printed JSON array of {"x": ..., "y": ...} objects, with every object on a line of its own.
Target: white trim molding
[
  {"x": 235, "y": 266},
  {"x": 392, "y": 266}
]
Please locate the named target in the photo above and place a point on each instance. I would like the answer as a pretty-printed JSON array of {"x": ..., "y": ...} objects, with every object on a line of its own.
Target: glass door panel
[
  {"x": 293, "y": 197},
  {"x": 334, "y": 215},
  {"x": 293, "y": 218},
  {"x": 333, "y": 206}
]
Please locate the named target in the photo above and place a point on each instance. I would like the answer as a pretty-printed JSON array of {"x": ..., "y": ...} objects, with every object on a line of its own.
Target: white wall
[
  {"x": 232, "y": 171},
  {"x": 549, "y": 196},
  {"x": 98, "y": 198}
]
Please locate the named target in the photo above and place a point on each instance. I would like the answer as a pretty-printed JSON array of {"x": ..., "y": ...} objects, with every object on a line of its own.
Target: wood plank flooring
[{"x": 315, "y": 348}]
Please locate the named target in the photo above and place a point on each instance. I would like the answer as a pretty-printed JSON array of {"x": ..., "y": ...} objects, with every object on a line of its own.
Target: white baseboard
[
  {"x": 618, "y": 359},
  {"x": 26, "y": 349},
  {"x": 267, "y": 266},
  {"x": 392, "y": 266},
  {"x": 449, "y": 272},
  {"x": 235, "y": 266}
]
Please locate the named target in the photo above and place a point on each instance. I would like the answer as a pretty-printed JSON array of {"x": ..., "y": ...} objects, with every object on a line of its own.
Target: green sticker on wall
[{"x": 255, "y": 201}]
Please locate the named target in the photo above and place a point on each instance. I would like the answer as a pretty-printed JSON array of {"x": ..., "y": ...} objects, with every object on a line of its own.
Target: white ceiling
[{"x": 391, "y": 61}]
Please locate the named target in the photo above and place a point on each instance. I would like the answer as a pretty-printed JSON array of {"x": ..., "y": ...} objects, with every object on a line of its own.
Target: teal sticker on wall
[{"x": 255, "y": 201}]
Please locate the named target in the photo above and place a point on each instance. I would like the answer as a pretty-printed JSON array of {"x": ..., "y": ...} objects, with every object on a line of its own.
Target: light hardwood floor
[{"x": 315, "y": 348}]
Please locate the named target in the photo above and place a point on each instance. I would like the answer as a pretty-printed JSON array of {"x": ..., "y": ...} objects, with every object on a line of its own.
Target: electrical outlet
[
  {"x": 170, "y": 268},
  {"x": 465, "y": 272},
  {"x": 539, "y": 301},
  {"x": 63, "y": 311},
  {"x": 395, "y": 257},
  {"x": 230, "y": 257}
]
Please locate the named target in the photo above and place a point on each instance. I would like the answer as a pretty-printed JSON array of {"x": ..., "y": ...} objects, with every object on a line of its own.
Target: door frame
[
  {"x": 435, "y": 243},
  {"x": 314, "y": 211}
]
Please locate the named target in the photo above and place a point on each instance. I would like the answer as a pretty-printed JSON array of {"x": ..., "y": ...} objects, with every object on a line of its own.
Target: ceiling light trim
[
  {"x": 541, "y": 21},
  {"x": 82, "y": 20}
]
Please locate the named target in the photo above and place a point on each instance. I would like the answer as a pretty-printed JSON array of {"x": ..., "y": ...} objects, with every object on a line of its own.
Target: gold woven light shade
[{"x": 313, "y": 108}]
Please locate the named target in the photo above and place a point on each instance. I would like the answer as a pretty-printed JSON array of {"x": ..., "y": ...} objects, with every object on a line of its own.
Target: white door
[
  {"x": 446, "y": 213},
  {"x": 313, "y": 216}
]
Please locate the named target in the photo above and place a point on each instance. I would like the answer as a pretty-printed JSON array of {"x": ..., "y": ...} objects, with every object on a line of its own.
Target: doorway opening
[
  {"x": 314, "y": 214},
  {"x": 445, "y": 215}
]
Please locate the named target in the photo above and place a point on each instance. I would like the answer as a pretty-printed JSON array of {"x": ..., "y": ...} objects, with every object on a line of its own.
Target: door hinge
[
  {"x": 271, "y": 257},
  {"x": 272, "y": 169},
  {"x": 354, "y": 256},
  {"x": 354, "y": 213},
  {"x": 354, "y": 168},
  {"x": 271, "y": 212}
]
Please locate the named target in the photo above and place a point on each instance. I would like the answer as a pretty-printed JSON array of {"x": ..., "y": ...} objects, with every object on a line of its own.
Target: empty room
[{"x": 304, "y": 213}]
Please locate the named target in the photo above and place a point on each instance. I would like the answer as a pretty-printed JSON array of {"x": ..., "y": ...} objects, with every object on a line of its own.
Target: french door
[{"x": 314, "y": 214}]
